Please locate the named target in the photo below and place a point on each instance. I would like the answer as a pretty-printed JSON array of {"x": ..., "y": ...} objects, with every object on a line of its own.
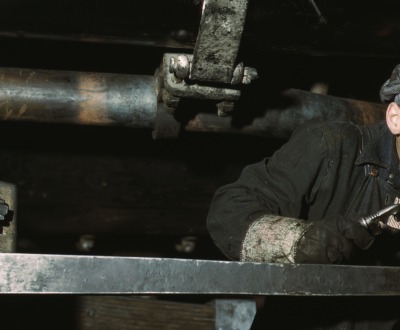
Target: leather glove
[{"x": 332, "y": 240}]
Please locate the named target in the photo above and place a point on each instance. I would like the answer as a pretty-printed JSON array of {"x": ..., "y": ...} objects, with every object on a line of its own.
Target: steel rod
[
  {"x": 78, "y": 97},
  {"x": 108, "y": 99}
]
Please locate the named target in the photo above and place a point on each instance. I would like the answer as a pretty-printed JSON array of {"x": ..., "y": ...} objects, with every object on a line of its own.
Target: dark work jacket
[{"x": 324, "y": 169}]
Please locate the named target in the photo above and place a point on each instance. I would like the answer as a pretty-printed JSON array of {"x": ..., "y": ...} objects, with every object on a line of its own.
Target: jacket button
[{"x": 374, "y": 171}]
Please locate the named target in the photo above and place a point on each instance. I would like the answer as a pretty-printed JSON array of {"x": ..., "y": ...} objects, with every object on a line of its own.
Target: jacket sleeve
[{"x": 257, "y": 214}]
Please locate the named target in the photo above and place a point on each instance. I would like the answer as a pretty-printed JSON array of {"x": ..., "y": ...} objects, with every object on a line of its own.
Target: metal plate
[{"x": 218, "y": 40}]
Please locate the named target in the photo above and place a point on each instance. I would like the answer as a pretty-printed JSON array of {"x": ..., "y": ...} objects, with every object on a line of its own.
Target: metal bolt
[
  {"x": 249, "y": 74},
  {"x": 86, "y": 243},
  {"x": 180, "y": 66},
  {"x": 225, "y": 107},
  {"x": 237, "y": 76},
  {"x": 187, "y": 244},
  {"x": 170, "y": 100},
  {"x": 172, "y": 65}
]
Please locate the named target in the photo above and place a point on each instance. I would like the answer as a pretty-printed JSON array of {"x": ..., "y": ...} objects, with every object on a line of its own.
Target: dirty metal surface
[
  {"x": 193, "y": 90},
  {"x": 218, "y": 40},
  {"x": 234, "y": 314},
  {"x": 85, "y": 98},
  {"x": 71, "y": 274}
]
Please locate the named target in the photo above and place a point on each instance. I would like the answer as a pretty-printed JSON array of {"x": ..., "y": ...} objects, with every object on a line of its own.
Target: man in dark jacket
[{"x": 303, "y": 204}]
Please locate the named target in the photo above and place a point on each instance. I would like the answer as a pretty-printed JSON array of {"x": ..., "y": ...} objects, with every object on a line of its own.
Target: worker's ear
[{"x": 393, "y": 118}]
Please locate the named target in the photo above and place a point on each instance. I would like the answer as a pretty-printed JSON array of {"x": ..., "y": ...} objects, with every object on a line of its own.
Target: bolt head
[
  {"x": 182, "y": 67},
  {"x": 249, "y": 74},
  {"x": 172, "y": 65}
]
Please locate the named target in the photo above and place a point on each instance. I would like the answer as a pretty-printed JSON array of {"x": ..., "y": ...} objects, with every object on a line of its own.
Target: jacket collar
[{"x": 380, "y": 150}]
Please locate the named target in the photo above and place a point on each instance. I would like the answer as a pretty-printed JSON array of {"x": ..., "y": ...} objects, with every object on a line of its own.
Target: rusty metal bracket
[
  {"x": 182, "y": 88},
  {"x": 212, "y": 71},
  {"x": 166, "y": 126},
  {"x": 218, "y": 40},
  {"x": 175, "y": 71}
]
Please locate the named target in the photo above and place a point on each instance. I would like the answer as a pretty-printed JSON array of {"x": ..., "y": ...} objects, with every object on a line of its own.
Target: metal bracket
[
  {"x": 166, "y": 126},
  {"x": 176, "y": 85},
  {"x": 212, "y": 69},
  {"x": 182, "y": 88},
  {"x": 218, "y": 40}
]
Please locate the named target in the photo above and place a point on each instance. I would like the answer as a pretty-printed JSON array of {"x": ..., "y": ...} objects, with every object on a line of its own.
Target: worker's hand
[{"x": 332, "y": 240}]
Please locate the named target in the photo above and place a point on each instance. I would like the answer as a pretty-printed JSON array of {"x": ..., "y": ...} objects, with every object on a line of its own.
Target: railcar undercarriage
[{"x": 120, "y": 120}]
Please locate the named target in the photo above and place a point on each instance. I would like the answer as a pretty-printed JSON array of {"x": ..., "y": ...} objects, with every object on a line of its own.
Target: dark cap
[{"x": 390, "y": 90}]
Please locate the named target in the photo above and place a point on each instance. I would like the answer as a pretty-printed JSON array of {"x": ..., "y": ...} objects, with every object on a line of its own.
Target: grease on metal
[
  {"x": 218, "y": 40},
  {"x": 92, "y": 90}
]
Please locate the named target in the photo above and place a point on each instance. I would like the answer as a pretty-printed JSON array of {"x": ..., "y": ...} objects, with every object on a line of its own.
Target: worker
[{"x": 305, "y": 202}]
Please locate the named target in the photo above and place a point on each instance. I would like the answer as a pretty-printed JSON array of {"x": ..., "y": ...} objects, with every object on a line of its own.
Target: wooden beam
[{"x": 123, "y": 313}]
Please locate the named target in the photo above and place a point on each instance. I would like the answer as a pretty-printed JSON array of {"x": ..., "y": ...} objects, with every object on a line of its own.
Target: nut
[
  {"x": 249, "y": 75},
  {"x": 180, "y": 66}
]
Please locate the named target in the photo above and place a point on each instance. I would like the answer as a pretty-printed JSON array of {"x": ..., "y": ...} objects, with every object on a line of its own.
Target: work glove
[{"x": 333, "y": 240}]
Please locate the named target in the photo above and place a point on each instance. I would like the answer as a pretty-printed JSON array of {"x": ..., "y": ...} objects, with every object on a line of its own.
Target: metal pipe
[
  {"x": 131, "y": 100},
  {"x": 292, "y": 109},
  {"x": 78, "y": 97}
]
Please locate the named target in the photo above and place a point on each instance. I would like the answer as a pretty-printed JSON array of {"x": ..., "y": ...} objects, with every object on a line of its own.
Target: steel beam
[{"x": 69, "y": 274}]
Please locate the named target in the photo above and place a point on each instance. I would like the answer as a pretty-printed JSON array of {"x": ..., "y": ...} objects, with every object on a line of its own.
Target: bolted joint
[
  {"x": 238, "y": 73},
  {"x": 169, "y": 100},
  {"x": 243, "y": 75},
  {"x": 225, "y": 107}
]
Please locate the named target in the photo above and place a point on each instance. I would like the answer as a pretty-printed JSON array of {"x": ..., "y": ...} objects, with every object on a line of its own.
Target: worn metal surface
[
  {"x": 8, "y": 226},
  {"x": 67, "y": 274},
  {"x": 234, "y": 314},
  {"x": 166, "y": 126},
  {"x": 180, "y": 88},
  {"x": 77, "y": 97},
  {"x": 218, "y": 40},
  {"x": 257, "y": 117},
  {"x": 131, "y": 100}
]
